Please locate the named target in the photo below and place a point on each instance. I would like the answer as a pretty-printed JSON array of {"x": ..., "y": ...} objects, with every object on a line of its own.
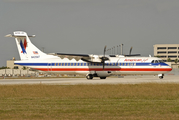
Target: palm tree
[
  {"x": 168, "y": 60},
  {"x": 24, "y": 68},
  {"x": 176, "y": 61},
  {"x": 157, "y": 56}
]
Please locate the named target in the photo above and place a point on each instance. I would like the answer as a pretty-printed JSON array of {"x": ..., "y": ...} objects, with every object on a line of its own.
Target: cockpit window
[
  {"x": 157, "y": 61},
  {"x": 161, "y": 61}
]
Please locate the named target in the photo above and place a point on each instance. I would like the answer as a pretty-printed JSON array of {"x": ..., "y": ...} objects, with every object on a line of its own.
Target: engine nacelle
[{"x": 103, "y": 73}]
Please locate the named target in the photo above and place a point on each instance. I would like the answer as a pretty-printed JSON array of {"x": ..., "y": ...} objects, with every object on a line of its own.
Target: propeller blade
[
  {"x": 103, "y": 58},
  {"x": 130, "y": 51},
  {"x": 104, "y": 50}
]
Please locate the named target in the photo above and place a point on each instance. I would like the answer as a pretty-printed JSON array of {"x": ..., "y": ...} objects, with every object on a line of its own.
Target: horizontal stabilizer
[{"x": 9, "y": 35}]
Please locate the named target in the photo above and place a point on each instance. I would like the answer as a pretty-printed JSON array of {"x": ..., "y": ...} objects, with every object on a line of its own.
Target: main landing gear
[
  {"x": 90, "y": 76},
  {"x": 161, "y": 77}
]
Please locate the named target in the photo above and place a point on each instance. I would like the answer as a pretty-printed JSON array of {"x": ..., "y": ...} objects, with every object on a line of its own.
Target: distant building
[
  {"x": 10, "y": 64},
  {"x": 166, "y": 51}
]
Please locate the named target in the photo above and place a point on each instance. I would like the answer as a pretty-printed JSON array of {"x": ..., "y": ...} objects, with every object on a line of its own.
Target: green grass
[{"x": 142, "y": 101}]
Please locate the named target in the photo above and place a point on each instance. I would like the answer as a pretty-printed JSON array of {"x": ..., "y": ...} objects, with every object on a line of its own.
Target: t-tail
[{"x": 26, "y": 49}]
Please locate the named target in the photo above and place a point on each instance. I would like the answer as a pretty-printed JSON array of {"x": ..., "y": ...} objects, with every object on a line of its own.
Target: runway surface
[{"x": 75, "y": 81}]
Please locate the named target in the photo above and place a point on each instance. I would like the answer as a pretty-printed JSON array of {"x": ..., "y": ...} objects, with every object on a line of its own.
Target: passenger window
[
  {"x": 62, "y": 64},
  {"x": 152, "y": 61}
]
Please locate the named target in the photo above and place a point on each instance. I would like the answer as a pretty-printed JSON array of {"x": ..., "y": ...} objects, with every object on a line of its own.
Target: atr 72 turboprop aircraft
[{"x": 91, "y": 65}]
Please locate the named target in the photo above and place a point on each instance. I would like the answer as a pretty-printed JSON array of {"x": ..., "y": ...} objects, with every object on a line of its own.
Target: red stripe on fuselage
[{"x": 106, "y": 69}]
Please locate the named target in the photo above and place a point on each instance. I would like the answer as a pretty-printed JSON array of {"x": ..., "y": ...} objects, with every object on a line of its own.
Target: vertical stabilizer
[{"x": 26, "y": 49}]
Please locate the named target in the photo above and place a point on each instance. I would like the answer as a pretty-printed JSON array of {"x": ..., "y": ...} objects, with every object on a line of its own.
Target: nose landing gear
[{"x": 160, "y": 76}]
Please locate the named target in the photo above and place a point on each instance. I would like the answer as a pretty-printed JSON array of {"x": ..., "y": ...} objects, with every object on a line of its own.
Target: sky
[{"x": 86, "y": 26}]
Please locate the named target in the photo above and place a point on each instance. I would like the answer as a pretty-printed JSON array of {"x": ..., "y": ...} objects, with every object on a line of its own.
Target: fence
[{"x": 16, "y": 72}]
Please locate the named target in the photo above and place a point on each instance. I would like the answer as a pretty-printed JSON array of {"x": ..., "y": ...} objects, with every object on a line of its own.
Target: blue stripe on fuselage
[{"x": 126, "y": 64}]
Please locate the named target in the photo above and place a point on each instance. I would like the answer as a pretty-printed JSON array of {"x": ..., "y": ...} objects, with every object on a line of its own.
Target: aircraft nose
[{"x": 170, "y": 68}]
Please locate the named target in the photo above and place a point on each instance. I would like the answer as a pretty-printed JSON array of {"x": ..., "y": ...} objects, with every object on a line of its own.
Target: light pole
[
  {"x": 114, "y": 50},
  {"x": 121, "y": 48}
]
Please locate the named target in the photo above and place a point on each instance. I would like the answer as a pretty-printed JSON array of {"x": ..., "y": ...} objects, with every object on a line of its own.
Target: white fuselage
[{"x": 116, "y": 65}]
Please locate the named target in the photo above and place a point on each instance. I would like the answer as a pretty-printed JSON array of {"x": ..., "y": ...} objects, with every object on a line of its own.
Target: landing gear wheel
[
  {"x": 161, "y": 77},
  {"x": 102, "y": 77},
  {"x": 89, "y": 76}
]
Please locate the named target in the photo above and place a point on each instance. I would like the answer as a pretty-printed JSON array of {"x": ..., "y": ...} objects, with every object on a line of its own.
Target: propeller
[{"x": 103, "y": 59}]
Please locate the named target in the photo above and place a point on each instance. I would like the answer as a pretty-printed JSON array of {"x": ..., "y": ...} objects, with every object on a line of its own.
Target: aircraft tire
[
  {"x": 161, "y": 77},
  {"x": 89, "y": 76},
  {"x": 102, "y": 77}
]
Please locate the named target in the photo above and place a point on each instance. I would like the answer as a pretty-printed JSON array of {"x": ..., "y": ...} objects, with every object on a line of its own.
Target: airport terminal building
[{"x": 167, "y": 52}]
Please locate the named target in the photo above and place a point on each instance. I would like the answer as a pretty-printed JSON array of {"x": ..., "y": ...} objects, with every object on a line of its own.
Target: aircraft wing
[
  {"x": 85, "y": 57},
  {"x": 132, "y": 55},
  {"x": 75, "y": 56},
  {"x": 78, "y": 55}
]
